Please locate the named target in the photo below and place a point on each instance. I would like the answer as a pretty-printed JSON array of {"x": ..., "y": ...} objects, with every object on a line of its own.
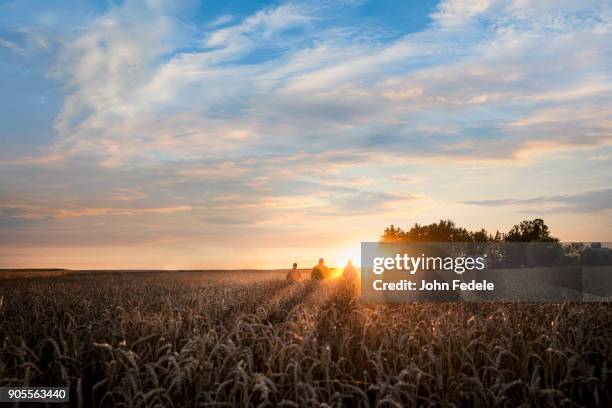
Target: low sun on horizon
[{"x": 344, "y": 255}]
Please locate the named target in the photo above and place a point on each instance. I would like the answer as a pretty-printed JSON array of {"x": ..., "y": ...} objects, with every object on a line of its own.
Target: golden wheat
[{"x": 180, "y": 339}]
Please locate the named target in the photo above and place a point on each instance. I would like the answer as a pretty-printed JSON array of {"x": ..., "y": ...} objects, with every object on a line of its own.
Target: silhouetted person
[
  {"x": 295, "y": 275},
  {"x": 320, "y": 271},
  {"x": 350, "y": 272}
]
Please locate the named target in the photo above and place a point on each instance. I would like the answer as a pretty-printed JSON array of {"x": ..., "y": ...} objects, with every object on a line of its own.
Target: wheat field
[{"x": 188, "y": 339}]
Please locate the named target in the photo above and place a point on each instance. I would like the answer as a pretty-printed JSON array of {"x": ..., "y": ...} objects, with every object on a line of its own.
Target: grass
[{"x": 183, "y": 339}]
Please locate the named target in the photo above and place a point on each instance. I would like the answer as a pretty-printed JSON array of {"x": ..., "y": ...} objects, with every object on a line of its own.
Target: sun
[{"x": 349, "y": 253}]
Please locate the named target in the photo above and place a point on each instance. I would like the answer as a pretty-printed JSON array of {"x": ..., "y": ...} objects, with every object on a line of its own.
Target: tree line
[
  {"x": 527, "y": 231},
  {"x": 447, "y": 231}
]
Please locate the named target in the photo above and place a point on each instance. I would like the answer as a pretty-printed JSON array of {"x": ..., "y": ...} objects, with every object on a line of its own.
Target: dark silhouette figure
[
  {"x": 295, "y": 275},
  {"x": 350, "y": 272},
  {"x": 320, "y": 271}
]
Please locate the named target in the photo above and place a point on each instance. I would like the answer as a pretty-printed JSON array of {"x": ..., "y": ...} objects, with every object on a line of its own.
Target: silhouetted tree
[
  {"x": 442, "y": 231},
  {"x": 548, "y": 251},
  {"x": 393, "y": 234},
  {"x": 481, "y": 236},
  {"x": 530, "y": 231},
  {"x": 447, "y": 231},
  {"x": 541, "y": 249}
]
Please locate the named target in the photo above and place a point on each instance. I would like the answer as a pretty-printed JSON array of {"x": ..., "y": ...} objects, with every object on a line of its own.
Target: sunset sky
[{"x": 237, "y": 134}]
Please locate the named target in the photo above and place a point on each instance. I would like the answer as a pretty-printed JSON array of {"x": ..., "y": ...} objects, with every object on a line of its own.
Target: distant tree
[
  {"x": 393, "y": 234},
  {"x": 481, "y": 236},
  {"x": 442, "y": 231},
  {"x": 552, "y": 252},
  {"x": 530, "y": 231},
  {"x": 532, "y": 255},
  {"x": 447, "y": 231}
]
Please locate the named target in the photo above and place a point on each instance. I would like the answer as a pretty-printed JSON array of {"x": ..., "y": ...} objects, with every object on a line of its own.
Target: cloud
[
  {"x": 260, "y": 83},
  {"x": 11, "y": 217},
  {"x": 12, "y": 46},
  {"x": 457, "y": 13},
  {"x": 601, "y": 157},
  {"x": 274, "y": 123},
  {"x": 589, "y": 202},
  {"x": 221, "y": 20},
  {"x": 33, "y": 212},
  {"x": 373, "y": 202}
]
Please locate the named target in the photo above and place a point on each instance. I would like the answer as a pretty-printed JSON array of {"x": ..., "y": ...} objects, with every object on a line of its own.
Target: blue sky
[{"x": 247, "y": 133}]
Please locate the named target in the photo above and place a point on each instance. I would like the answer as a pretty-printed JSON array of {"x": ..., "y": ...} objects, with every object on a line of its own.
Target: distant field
[
  {"x": 246, "y": 338},
  {"x": 33, "y": 273},
  {"x": 239, "y": 274}
]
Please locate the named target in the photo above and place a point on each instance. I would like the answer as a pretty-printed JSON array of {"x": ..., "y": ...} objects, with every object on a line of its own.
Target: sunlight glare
[{"x": 352, "y": 253}]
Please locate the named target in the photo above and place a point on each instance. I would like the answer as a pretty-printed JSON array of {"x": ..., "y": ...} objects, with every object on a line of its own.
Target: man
[
  {"x": 294, "y": 275},
  {"x": 320, "y": 271},
  {"x": 349, "y": 273}
]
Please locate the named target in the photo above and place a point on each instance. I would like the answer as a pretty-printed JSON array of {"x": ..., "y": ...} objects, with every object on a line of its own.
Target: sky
[{"x": 250, "y": 134}]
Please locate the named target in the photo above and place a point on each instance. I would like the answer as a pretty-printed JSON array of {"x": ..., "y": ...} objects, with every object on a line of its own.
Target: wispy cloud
[
  {"x": 589, "y": 202},
  {"x": 12, "y": 46},
  {"x": 33, "y": 212},
  {"x": 221, "y": 20}
]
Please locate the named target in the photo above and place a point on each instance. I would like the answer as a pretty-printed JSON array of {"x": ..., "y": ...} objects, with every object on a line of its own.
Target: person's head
[
  {"x": 294, "y": 265},
  {"x": 321, "y": 260},
  {"x": 350, "y": 263}
]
